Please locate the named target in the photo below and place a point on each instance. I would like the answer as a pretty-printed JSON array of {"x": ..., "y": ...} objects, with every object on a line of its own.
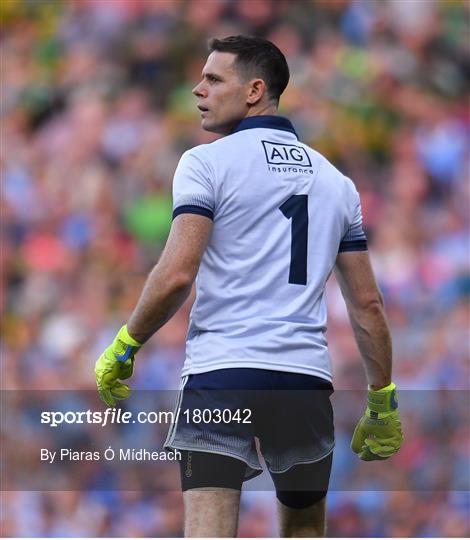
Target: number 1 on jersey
[{"x": 296, "y": 207}]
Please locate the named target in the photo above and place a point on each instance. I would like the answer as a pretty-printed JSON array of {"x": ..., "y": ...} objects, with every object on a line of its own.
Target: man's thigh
[
  {"x": 211, "y": 485},
  {"x": 205, "y": 470},
  {"x": 303, "y": 485}
]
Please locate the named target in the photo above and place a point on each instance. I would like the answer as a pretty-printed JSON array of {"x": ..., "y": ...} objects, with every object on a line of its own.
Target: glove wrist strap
[
  {"x": 387, "y": 388},
  {"x": 125, "y": 346},
  {"x": 383, "y": 400},
  {"x": 123, "y": 335}
]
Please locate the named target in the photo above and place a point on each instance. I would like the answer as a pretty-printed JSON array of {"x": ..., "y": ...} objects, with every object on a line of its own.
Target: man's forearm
[
  {"x": 375, "y": 345},
  {"x": 161, "y": 298},
  {"x": 170, "y": 281}
]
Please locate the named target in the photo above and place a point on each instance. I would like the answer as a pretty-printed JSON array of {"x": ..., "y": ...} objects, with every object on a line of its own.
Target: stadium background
[{"x": 96, "y": 111}]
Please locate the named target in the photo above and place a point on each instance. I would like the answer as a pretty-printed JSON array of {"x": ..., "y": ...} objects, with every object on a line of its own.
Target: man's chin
[{"x": 208, "y": 126}]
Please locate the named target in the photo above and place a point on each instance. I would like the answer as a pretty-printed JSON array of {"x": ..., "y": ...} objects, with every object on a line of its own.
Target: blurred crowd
[{"x": 96, "y": 111}]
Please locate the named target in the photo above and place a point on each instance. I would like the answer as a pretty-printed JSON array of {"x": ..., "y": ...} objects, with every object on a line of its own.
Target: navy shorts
[{"x": 225, "y": 411}]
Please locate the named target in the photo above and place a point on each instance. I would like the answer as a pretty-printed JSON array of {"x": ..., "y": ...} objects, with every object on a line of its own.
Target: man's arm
[
  {"x": 365, "y": 307},
  {"x": 378, "y": 434},
  {"x": 165, "y": 290},
  {"x": 170, "y": 281}
]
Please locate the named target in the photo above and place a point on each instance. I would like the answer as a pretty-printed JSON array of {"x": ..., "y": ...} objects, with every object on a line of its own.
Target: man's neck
[
  {"x": 263, "y": 110},
  {"x": 266, "y": 109}
]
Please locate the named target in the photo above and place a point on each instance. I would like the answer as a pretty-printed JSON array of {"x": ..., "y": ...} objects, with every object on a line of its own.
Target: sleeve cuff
[
  {"x": 353, "y": 245},
  {"x": 193, "y": 209}
]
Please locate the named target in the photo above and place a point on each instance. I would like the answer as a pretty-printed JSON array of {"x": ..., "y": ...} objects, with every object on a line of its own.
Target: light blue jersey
[{"x": 281, "y": 214}]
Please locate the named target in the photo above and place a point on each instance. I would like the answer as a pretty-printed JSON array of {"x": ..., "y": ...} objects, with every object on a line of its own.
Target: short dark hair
[{"x": 256, "y": 56}]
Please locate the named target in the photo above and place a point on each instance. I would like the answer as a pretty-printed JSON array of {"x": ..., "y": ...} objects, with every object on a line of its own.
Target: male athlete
[{"x": 260, "y": 220}]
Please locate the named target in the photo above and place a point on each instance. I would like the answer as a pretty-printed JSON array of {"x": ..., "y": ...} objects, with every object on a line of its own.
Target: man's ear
[{"x": 256, "y": 91}]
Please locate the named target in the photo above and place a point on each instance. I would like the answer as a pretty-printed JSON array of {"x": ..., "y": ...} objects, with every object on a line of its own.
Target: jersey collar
[{"x": 266, "y": 121}]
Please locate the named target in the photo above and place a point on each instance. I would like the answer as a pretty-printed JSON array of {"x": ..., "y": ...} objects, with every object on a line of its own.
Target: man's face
[{"x": 222, "y": 95}]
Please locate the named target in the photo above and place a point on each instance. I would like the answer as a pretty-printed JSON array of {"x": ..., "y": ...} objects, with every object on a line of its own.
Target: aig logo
[{"x": 286, "y": 154}]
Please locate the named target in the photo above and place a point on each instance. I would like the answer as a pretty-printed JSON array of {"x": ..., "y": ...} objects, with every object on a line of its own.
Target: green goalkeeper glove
[
  {"x": 378, "y": 433},
  {"x": 117, "y": 362}
]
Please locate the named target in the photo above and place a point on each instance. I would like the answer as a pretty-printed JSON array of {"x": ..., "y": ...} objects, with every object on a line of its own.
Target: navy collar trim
[{"x": 267, "y": 121}]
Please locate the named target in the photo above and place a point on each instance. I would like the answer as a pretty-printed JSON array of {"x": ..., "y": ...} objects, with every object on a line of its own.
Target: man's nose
[{"x": 199, "y": 90}]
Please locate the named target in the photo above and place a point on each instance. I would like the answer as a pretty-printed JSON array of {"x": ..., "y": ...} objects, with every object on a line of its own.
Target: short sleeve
[
  {"x": 354, "y": 239},
  {"x": 193, "y": 190}
]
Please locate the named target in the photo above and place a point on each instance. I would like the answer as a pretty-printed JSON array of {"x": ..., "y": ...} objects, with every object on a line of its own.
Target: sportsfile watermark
[
  {"x": 63, "y": 440},
  {"x": 118, "y": 416}
]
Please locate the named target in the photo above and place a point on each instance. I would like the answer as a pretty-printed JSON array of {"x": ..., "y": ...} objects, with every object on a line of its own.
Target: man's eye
[{"x": 212, "y": 79}]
